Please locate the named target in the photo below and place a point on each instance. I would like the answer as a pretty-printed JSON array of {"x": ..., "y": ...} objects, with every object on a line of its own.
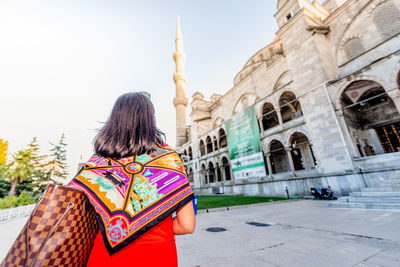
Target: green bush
[
  {"x": 22, "y": 199},
  {"x": 4, "y": 188},
  {"x": 28, "y": 185}
]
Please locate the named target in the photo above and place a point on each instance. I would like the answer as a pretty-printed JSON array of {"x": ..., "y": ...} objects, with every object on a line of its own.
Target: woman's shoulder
[
  {"x": 163, "y": 149},
  {"x": 165, "y": 146}
]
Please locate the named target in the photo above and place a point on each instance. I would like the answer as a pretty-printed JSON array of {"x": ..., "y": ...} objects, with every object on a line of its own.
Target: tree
[
  {"x": 3, "y": 151},
  {"x": 37, "y": 182},
  {"x": 56, "y": 167},
  {"x": 19, "y": 169},
  {"x": 37, "y": 159}
]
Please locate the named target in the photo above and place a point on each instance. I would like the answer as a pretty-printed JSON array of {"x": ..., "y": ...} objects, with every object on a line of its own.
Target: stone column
[
  {"x": 200, "y": 177},
  {"x": 395, "y": 96},
  {"x": 311, "y": 162},
  {"x": 278, "y": 112},
  {"x": 261, "y": 126},
  {"x": 306, "y": 155},
  {"x": 223, "y": 172},
  {"x": 343, "y": 127},
  {"x": 269, "y": 166},
  {"x": 376, "y": 142},
  {"x": 291, "y": 165},
  {"x": 203, "y": 176},
  {"x": 196, "y": 176},
  {"x": 231, "y": 171}
]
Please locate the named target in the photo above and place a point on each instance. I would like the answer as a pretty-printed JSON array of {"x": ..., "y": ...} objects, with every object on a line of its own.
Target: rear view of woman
[{"x": 135, "y": 182}]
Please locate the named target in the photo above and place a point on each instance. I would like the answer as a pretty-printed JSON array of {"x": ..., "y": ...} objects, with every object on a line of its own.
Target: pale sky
[{"x": 64, "y": 63}]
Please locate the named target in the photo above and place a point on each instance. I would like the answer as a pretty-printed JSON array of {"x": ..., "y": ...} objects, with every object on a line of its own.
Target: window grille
[{"x": 386, "y": 16}]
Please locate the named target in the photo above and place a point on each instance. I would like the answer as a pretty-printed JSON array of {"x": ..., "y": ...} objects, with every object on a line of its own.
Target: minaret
[{"x": 180, "y": 101}]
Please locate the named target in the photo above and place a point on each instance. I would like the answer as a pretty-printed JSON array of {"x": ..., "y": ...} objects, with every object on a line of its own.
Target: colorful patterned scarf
[{"x": 132, "y": 195}]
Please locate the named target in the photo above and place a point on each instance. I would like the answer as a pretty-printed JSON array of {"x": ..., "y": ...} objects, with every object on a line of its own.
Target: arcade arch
[
  {"x": 211, "y": 172},
  {"x": 290, "y": 106},
  {"x": 269, "y": 116},
  {"x": 278, "y": 157},
  {"x": 227, "y": 168},
  {"x": 202, "y": 148},
  {"x": 215, "y": 143},
  {"x": 282, "y": 81},
  {"x": 209, "y": 145},
  {"x": 371, "y": 117},
  {"x": 222, "y": 138},
  {"x": 301, "y": 152}
]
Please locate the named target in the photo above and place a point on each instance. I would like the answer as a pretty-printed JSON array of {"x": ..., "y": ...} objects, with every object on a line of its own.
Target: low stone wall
[
  {"x": 341, "y": 183},
  {"x": 8, "y": 214}
]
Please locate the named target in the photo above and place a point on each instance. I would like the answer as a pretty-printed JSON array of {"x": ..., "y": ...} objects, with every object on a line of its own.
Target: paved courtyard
[{"x": 301, "y": 233}]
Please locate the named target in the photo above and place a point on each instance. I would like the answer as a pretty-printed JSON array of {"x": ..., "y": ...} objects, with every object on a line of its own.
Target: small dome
[{"x": 198, "y": 95}]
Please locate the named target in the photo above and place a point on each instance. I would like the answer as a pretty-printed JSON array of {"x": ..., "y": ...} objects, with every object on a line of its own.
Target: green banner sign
[{"x": 244, "y": 145}]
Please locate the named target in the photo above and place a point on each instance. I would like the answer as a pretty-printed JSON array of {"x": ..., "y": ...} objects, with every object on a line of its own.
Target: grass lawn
[{"x": 217, "y": 201}]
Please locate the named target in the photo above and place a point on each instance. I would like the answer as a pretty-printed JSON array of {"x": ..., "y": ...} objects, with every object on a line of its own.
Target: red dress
[{"x": 155, "y": 248}]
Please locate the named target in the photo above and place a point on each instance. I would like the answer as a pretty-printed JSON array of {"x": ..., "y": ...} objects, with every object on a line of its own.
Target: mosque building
[{"x": 318, "y": 106}]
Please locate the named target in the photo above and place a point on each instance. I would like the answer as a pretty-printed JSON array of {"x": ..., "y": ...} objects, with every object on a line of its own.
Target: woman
[{"x": 135, "y": 182}]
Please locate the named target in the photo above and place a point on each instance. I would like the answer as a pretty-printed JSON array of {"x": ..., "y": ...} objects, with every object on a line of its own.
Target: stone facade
[{"x": 326, "y": 93}]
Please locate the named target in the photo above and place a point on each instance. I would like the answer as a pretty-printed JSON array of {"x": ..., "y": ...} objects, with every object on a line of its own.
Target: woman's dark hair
[{"x": 130, "y": 130}]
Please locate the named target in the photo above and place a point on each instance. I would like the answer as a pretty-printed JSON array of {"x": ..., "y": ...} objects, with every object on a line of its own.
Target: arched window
[
  {"x": 202, "y": 148},
  {"x": 302, "y": 154},
  {"x": 222, "y": 138},
  {"x": 211, "y": 172},
  {"x": 371, "y": 118},
  {"x": 290, "y": 107},
  {"x": 353, "y": 48},
  {"x": 190, "y": 153},
  {"x": 278, "y": 157},
  {"x": 282, "y": 81},
  {"x": 215, "y": 143},
  {"x": 386, "y": 17},
  {"x": 244, "y": 101},
  {"x": 269, "y": 116},
  {"x": 209, "y": 145},
  {"x": 227, "y": 168}
]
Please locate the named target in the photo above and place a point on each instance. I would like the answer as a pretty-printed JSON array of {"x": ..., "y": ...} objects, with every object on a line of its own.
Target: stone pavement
[
  {"x": 301, "y": 233},
  {"x": 8, "y": 233}
]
